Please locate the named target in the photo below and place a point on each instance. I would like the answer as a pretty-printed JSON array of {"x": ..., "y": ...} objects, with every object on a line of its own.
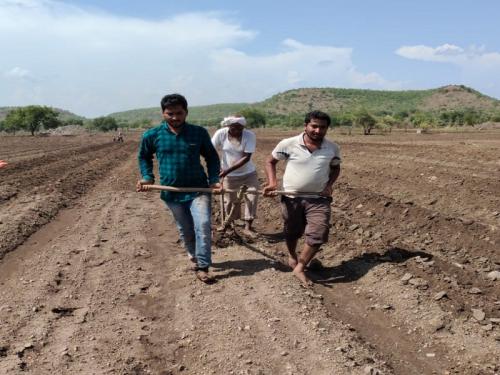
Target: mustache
[{"x": 175, "y": 124}]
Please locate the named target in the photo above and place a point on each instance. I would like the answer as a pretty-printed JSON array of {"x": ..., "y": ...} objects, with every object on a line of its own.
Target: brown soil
[{"x": 94, "y": 281}]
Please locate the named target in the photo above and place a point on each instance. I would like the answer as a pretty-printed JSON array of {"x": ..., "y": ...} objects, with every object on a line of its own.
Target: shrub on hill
[
  {"x": 254, "y": 118},
  {"x": 105, "y": 123}
]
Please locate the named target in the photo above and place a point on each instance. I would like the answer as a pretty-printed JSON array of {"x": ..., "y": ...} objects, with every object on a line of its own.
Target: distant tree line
[
  {"x": 37, "y": 118},
  {"x": 386, "y": 120}
]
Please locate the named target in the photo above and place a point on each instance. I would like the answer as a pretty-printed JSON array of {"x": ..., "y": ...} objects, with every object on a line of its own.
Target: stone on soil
[
  {"x": 439, "y": 295},
  {"x": 406, "y": 277},
  {"x": 419, "y": 282},
  {"x": 436, "y": 324},
  {"x": 478, "y": 314},
  {"x": 494, "y": 275}
]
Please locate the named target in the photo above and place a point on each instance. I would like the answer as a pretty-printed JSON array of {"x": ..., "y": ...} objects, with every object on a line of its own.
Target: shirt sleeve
[
  {"x": 250, "y": 141},
  {"x": 281, "y": 152},
  {"x": 337, "y": 159},
  {"x": 216, "y": 138},
  {"x": 145, "y": 156},
  {"x": 211, "y": 157}
]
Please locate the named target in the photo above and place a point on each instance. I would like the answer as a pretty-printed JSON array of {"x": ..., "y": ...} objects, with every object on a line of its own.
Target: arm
[
  {"x": 270, "y": 175},
  {"x": 334, "y": 174},
  {"x": 241, "y": 162},
  {"x": 211, "y": 158},
  {"x": 145, "y": 158}
]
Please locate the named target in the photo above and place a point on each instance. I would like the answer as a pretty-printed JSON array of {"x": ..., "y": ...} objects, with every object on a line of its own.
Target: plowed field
[{"x": 93, "y": 279}]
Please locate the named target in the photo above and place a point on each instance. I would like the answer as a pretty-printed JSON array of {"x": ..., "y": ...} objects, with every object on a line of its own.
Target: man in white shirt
[
  {"x": 313, "y": 165},
  {"x": 237, "y": 145}
]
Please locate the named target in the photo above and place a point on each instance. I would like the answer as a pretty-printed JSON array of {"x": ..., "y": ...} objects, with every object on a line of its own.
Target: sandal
[
  {"x": 250, "y": 233},
  {"x": 202, "y": 275}
]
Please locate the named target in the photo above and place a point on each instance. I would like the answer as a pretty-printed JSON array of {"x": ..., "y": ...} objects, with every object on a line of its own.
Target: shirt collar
[
  {"x": 302, "y": 143},
  {"x": 167, "y": 128}
]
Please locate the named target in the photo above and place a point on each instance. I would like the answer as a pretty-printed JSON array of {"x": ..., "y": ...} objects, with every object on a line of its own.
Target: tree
[
  {"x": 363, "y": 118},
  {"x": 418, "y": 118},
  {"x": 401, "y": 115},
  {"x": 73, "y": 121},
  {"x": 32, "y": 118},
  {"x": 141, "y": 123},
  {"x": 105, "y": 123},
  {"x": 293, "y": 120},
  {"x": 343, "y": 119},
  {"x": 388, "y": 122},
  {"x": 472, "y": 117},
  {"x": 495, "y": 117},
  {"x": 254, "y": 117}
]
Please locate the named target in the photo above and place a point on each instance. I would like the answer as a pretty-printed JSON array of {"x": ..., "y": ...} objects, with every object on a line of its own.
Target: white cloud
[
  {"x": 444, "y": 53},
  {"x": 478, "y": 68},
  {"x": 19, "y": 73},
  {"x": 472, "y": 57},
  {"x": 297, "y": 65},
  {"x": 94, "y": 63}
]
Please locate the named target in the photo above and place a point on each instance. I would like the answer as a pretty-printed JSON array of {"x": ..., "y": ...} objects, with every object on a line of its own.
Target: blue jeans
[{"x": 193, "y": 221}]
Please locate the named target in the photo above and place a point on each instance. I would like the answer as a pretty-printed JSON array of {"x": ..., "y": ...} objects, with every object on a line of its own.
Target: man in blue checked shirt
[{"x": 178, "y": 147}]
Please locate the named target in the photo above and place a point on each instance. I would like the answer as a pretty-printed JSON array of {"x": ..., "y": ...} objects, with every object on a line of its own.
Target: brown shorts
[{"x": 309, "y": 216}]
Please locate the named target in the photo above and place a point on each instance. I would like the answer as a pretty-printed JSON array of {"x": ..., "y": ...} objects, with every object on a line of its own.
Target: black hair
[
  {"x": 318, "y": 115},
  {"x": 174, "y": 99}
]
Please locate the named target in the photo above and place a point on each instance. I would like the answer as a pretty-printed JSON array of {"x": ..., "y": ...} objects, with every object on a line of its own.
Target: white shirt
[
  {"x": 232, "y": 151},
  {"x": 306, "y": 171}
]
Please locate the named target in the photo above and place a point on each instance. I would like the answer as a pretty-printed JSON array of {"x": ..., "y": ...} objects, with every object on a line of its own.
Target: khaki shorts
[{"x": 309, "y": 216}]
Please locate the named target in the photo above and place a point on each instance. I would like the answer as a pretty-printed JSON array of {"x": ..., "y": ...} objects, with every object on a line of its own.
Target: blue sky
[{"x": 94, "y": 57}]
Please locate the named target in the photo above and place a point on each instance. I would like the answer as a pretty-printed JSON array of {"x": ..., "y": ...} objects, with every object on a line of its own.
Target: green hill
[
  {"x": 197, "y": 114},
  {"x": 338, "y": 101},
  {"x": 377, "y": 101},
  {"x": 453, "y": 104}
]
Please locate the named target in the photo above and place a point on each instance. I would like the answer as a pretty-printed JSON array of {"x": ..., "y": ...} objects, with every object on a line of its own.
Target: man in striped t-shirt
[{"x": 313, "y": 165}]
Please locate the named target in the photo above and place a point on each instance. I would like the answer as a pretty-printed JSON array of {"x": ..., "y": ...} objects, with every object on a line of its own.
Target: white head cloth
[{"x": 233, "y": 120}]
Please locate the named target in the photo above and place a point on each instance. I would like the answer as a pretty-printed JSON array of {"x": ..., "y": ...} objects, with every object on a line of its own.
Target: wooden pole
[
  {"x": 222, "y": 208},
  {"x": 220, "y": 191}
]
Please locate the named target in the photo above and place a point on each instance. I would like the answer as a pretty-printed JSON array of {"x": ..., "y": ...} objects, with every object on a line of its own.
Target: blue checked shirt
[{"x": 178, "y": 158}]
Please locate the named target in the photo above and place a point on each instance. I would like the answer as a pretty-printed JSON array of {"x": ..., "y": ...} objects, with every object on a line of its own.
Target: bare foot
[
  {"x": 292, "y": 262},
  {"x": 300, "y": 274}
]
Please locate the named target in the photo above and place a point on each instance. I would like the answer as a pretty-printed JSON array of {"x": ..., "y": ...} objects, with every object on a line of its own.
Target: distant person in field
[
  {"x": 178, "y": 147},
  {"x": 313, "y": 165},
  {"x": 3, "y": 163},
  {"x": 119, "y": 136},
  {"x": 237, "y": 145}
]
